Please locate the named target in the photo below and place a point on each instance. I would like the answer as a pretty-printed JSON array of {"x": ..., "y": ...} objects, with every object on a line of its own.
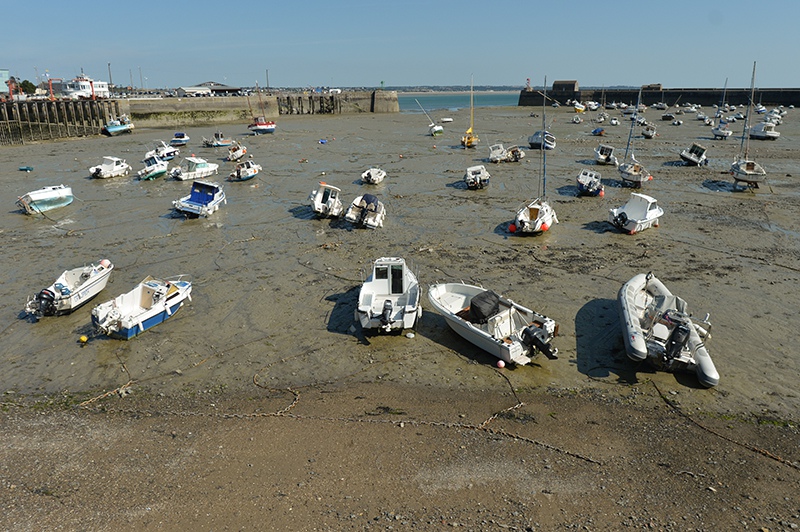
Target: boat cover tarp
[
  {"x": 202, "y": 193},
  {"x": 483, "y": 306},
  {"x": 369, "y": 202}
]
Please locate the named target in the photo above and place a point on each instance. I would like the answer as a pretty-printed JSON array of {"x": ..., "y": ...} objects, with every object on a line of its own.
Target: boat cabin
[{"x": 388, "y": 275}]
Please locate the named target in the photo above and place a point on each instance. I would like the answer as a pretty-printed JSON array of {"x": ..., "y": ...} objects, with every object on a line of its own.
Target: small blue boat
[
  {"x": 204, "y": 199},
  {"x": 180, "y": 139},
  {"x": 118, "y": 126}
]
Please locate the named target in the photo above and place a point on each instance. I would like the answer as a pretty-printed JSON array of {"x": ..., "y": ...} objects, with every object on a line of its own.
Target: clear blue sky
[{"x": 347, "y": 43}]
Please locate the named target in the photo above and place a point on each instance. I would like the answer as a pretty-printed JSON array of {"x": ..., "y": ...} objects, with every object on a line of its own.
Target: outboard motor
[
  {"x": 536, "y": 337},
  {"x": 46, "y": 300},
  {"x": 620, "y": 219},
  {"x": 386, "y": 315},
  {"x": 676, "y": 342}
]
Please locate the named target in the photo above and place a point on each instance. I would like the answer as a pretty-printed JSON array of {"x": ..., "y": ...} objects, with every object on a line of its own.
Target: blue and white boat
[
  {"x": 118, "y": 126},
  {"x": 163, "y": 150},
  {"x": 204, "y": 199},
  {"x": 180, "y": 139},
  {"x": 45, "y": 199},
  {"x": 217, "y": 141},
  {"x": 153, "y": 301}
]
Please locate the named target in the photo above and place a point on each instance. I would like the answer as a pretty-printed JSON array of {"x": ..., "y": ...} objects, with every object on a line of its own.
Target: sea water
[{"x": 453, "y": 101}]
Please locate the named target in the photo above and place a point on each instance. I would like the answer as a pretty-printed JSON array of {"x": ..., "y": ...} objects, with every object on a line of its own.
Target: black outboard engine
[
  {"x": 536, "y": 337},
  {"x": 46, "y": 300},
  {"x": 386, "y": 315},
  {"x": 620, "y": 219},
  {"x": 677, "y": 341}
]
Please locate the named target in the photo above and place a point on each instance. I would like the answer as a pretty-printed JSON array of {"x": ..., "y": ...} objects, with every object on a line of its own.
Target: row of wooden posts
[{"x": 29, "y": 121}]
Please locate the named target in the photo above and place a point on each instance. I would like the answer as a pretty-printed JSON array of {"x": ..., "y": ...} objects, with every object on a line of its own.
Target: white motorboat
[
  {"x": 219, "y": 140},
  {"x": 614, "y": 121},
  {"x": 245, "y": 171},
  {"x": 118, "y": 126},
  {"x": 590, "y": 184},
  {"x": 721, "y": 131},
  {"x": 477, "y": 177},
  {"x": 540, "y": 137},
  {"x": 154, "y": 167},
  {"x": 236, "y": 151},
  {"x": 179, "y": 139},
  {"x": 326, "y": 201},
  {"x": 657, "y": 327},
  {"x": 45, "y": 199},
  {"x": 604, "y": 154},
  {"x": 151, "y": 302},
  {"x": 499, "y": 154},
  {"x": 512, "y": 333},
  {"x": 695, "y": 155},
  {"x": 373, "y": 176},
  {"x": 72, "y": 289},
  {"x": 743, "y": 169},
  {"x": 193, "y": 168},
  {"x": 649, "y": 130},
  {"x": 640, "y": 212},
  {"x": 163, "y": 150},
  {"x": 204, "y": 199},
  {"x": 110, "y": 167},
  {"x": 764, "y": 131},
  {"x": 389, "y": 297},
  {"x": 632, "y": 171},
  {"x": 366, "y": 211}
]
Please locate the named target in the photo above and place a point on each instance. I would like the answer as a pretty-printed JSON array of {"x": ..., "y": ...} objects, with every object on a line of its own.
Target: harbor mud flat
[{"x": 261, "y": 403}]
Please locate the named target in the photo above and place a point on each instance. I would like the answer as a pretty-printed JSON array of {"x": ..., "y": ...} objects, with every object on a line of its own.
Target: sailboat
[
  {"x": 433, "y": 129},
  {"x": 537, "y": 216},
  {"x": 630, "y": 170},
  {"x": 745, "y": 170},
  {"x": 470, "y": 139},
  {"x": 260, "y": 123},
  {"x": 720, "y": 130}
]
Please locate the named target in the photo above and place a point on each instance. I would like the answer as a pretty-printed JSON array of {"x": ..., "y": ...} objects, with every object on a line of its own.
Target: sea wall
[{"x": 670, "y": 96}]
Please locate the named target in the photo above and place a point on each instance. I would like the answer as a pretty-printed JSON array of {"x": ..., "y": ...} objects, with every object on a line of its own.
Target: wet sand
[{"x": 272, "y": 311}]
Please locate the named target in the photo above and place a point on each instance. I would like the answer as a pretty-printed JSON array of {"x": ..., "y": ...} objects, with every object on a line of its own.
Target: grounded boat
[
  {"x": 366, "y": 211},
  {"x": 45, "y": 199},
  {"x": 604, "y": 154},
  {"x": 153, "y": 301},
  {"x": 179, "y": 139},
  {"x": 373, "y": 176},
  {"x": 325, "y": 200},
  {"x": 118, "y": 126},
  {"x": 477, "y": 177},
  {"x": 164, "y": 151},
  {"x": 245, "y": 171},
  {"x": 433, "y": 129},
  {"x": 657, "y": 327},
  {"x": 764, "y": 131},
  {"x": 204, "y": 199},
  {"x": 640, "y": 212},
  {"x": 695, "y": 155},
  {"x": 500, "y": 154},
  {"x": 261, "y": 125},
  {"x": 193, "y": 168},
  {"x": 507, "y": 330},
  {"x": 743, "y": 169},
  {"x": 110, "y": 167},
  {"x": 721, "y": 131},
  {"x": 542, "y": 137},
  {"x": 389, "y": 298},
  {"x": 236, "y": 151},
  {"x": 217, "y": 141},
  {"x": 589, "y": 183},
  {"x": 649, "y": 130},
  {"x": 154, "y": 167},
  {"x": 470, "y": 139},
  {"x": 72, "y": 289},
  {"x": 632, "y": 171}
]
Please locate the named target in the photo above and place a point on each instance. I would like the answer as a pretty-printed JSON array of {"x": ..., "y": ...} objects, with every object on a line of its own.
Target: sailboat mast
[
  {"x": 633, "y": 123},
  {"x": 543, "y": 180},
  {"x": 745, "y": 137},
  {"x": 260, "y": 103},
  {"x": 471, "y": 111},
  {"x": 424, "y": 111}
]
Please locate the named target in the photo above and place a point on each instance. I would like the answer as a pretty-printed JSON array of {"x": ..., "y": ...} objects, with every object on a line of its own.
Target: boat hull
[
  {"x": 71, "y": 290},
  {"x": 389, "y": 298},
  {"x": 126, "y": 333},
  {"x": 45, "y": 199}
]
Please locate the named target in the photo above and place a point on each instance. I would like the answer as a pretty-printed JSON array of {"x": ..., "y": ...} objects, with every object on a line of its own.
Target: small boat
[
  {"x": 72, "y": 289},
  {"x": 179, "y": 139},
  {"x": 542, "y": 136},
  {"x": 764, "y": 131},
  {"x": 236, "y": 151},
  {"x": 632, "y": 171},
  {"x": 118, "y": 126},
  {"x": 695, "y": 155},
  {"x": 325, "y": 200},
  {"x": 446, "y": 120},
  {"x": 500, "y": 154},
  {"x": 151, "y": 302},
  {"x": 579, "y": 107},
  {"x": 649, "y": 130},
  {"x": 261, "y": 125},
  {"x": 499, "y": 326},
  {"x": 657, "y": 327},
  {"x": 577, "y": 119},
  {"x": 204, "y": 199},
  {"x": 470, "y": 139},
  {"x": 153, "y": 167},
  {"x": 721, "y": 131},
  {"x": 45, "y": 199},
  {"x": 604, "y": 154},
  {"x": 589, "y": 183},
  {"x": 26, "y": 168},
  {"x": 477, "y": 177},
  {"x": 366, "y": 211},
  {"x": 389, "y": 298},
  {"x": 373, "y": 176},
  {"x": 245, "y": 171},
  {"x": 614, "y": 121},
  {"x": 433, "y": 129},
  {"x": 598, "y": 132},
  {"x": 164, "y": 151},
  {"x": 193, "y": 168},
  {"x": 217, "y": 141},
  {"x": 743, "y": 169},
  {"x": 110, "y": 167},
  {"x": 668, "y": 117},
  {"x": 640, "y": 212}
]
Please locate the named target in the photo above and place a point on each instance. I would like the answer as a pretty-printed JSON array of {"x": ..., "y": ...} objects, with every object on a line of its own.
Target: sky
[{"x": 312, "y": 43}]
